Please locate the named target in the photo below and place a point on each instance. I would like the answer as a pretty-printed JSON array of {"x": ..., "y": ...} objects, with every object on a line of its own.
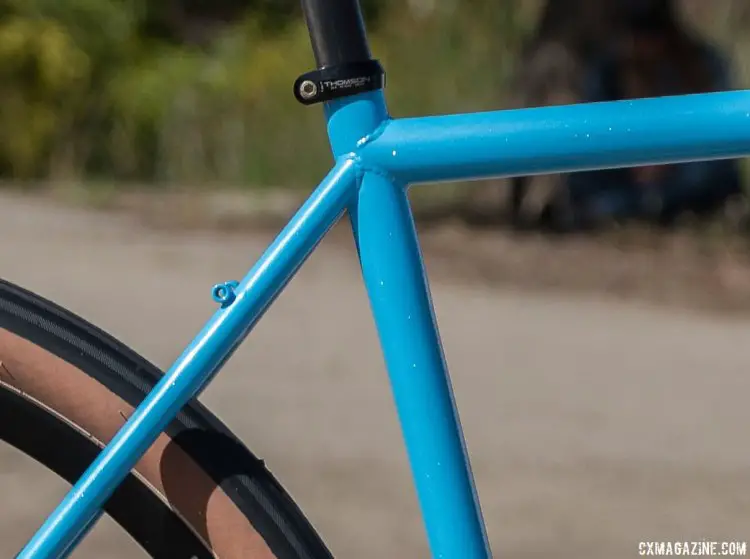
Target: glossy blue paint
[
  {"x": 210, "y": 349},
  {"x": 563, "y": 138},
  {"x": 351, "y": 121},
  {"x": 400, "y": 300},
  {"x": 394, "y": 276},
  {"x": 225, "y": 293},
  {"x": 376, "y": 158},
  {"x": 81, "y": 535}
]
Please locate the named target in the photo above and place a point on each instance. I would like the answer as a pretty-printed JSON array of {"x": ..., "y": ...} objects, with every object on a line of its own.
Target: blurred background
[
  {"x": 188, "y": 92},
  {"x": 596, "y": 324},
  {"x": 182, "y": 110}
]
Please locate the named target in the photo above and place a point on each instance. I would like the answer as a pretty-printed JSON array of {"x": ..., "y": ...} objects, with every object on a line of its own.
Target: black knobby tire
[{"x": 66, "y": 387}]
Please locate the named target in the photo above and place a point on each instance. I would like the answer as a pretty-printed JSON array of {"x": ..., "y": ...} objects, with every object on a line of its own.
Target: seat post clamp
[{"x": 334, "y": 82}]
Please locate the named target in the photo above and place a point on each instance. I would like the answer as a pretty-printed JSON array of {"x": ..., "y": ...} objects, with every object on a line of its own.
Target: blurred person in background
[
  {"x": 652, "y": 55},
  {"x": 550, "y": 72}
]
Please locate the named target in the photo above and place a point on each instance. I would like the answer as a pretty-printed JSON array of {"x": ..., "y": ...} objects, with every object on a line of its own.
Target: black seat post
[
  {"x": 339, "y": 41},
  {"x": 337, "y": 32}
]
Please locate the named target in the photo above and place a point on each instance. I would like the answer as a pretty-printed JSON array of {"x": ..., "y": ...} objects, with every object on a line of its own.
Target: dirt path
[{"x": 592, "y": 424}]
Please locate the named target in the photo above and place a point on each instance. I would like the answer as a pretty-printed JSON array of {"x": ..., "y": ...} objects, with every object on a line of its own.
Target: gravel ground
[{"x": 592, "y": 423}]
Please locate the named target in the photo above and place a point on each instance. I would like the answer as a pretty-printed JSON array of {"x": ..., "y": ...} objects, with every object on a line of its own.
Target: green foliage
[
  {"x": 55, "y": 58},
  {"x": 108, "y": 88},
  {"x": 122, "y": 90},
  {"x": 42, "y": 75},
  {"x": 104, "y": 29}
]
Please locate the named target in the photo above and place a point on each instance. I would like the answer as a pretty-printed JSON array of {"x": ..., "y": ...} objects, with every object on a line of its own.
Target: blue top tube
[{"x": 617, "y": 193}]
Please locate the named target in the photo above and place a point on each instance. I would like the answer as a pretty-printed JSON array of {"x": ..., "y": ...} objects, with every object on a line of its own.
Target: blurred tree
[
  {"x": 200, "y": 21},
  {"x": 42, "y": 71},
  {"x": 568, "y": 35},
  {"x": 581, "y": 25},
  {"x": 134, "y": 89}
]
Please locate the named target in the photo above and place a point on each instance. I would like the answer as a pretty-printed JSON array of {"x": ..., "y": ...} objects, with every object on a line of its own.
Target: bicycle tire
[{"x": 65, "y": 389}]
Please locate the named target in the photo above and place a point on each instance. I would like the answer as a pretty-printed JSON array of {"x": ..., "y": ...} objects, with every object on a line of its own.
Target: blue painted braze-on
[
  {"x": 242, "y": 306},
  {"x": 376, "y": 159}
]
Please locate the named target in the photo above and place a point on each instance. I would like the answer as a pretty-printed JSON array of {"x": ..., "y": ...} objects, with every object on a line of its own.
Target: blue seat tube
[
  {"x": 399, "y": 296},
  {"x": 397, "y": 287}
]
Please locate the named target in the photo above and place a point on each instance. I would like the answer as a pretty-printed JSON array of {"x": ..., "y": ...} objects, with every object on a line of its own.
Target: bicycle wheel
[{"x": 66, "y": 387}]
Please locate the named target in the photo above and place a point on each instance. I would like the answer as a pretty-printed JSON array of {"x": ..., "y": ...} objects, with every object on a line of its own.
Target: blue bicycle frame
[{"x": 377, "y": 159}]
